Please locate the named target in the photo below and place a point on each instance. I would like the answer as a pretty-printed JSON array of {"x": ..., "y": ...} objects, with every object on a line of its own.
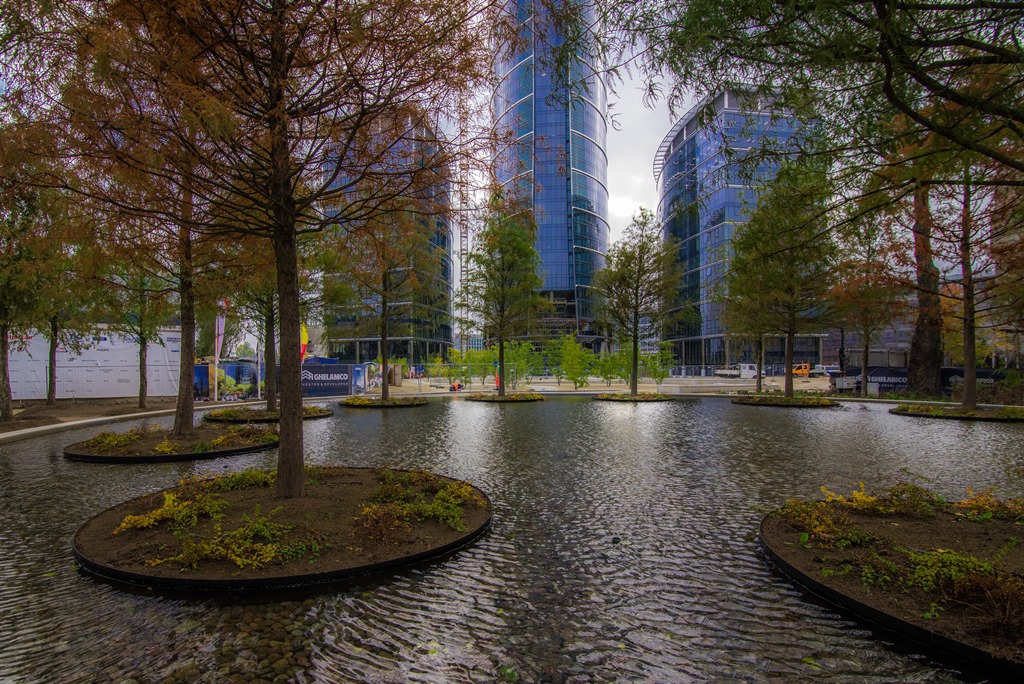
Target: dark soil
[
  {"x": 37, "y": 413},
  {"x": 231, "y": 438},
  {"x": 965, "y": 621},
  {"x": 327, "y": 512}
]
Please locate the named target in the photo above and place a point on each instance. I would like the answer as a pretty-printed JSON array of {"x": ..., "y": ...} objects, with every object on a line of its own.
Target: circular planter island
[
  {"x": 1006, "y": 414},
  {"x": 376, "y": 402},
  {"x": 510, "y": 398},
  {"x": 158, "y": 445},
  {"x": 785, "y": 402},
  {"x": 257, "y": 415},
  {"x": 639, "y": 397},
  {"x": 915, "y": 564},
  {"x": 230, "y": 533}
]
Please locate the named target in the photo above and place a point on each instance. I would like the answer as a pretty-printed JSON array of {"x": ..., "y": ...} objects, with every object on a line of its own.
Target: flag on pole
[
  {"x": 220, "y": 335},
  {"x": 218, "y": 341}
]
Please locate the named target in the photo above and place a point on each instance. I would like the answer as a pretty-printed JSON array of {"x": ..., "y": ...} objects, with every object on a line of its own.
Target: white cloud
[{"x": 631, "y": 150}]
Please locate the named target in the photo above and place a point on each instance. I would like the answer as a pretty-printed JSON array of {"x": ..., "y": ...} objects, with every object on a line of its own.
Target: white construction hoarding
[{"x": 108, "y": 368}]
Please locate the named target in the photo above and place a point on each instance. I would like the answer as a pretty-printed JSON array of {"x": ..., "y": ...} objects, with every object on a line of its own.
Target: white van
[{"x": 748, "y": 371}]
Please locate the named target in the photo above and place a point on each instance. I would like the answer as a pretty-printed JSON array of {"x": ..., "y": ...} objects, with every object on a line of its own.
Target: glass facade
[
  {"x": 424, "y": 326},
  {"x": 704, "y": 191},
  {"x": 556, "y": 130}
]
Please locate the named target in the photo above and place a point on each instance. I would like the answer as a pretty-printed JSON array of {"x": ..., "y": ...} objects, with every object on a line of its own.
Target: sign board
[
  {"x": 326, "y": 379},
  {"x": 893, "y": 380}
]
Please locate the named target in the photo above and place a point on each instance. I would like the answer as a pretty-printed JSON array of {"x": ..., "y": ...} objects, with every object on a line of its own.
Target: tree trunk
[
  {"x": 634, "y": 375},
  {"x": 51, "y": 374},
  {"x": 185, "y": 406},
  {"x": 925, "y": 371},
  {"x": 759, "y": 350},
  {"x": 6, "y": 408},
  {"x": 969, "y": 402},
  {"x": 290, "y": 475},
  {"x": 634, "y": 371},
  {"x": 143, "y": 375},
  {"x": 384, "y": 351},
  {"x": 789, "y": 364},
  {"x": 865, "y": 357},
  {"x": 501, "y": 366},
  {"x": 270, "y": 355}
]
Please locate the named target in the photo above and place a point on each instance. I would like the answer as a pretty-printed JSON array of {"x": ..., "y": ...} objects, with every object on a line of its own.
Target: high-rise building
[
  {"x": 416, "y": 240},
  {"x": 704, "y": 193},
  {"x": 555, "y": 118}
]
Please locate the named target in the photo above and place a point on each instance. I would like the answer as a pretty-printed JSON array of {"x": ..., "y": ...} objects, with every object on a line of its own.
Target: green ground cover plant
[
  {"x": 364, "y": 401},
  {"x": 252, "y": 413},
  {"x": 881, "y": 542},
  {"x": 253, "y": 543},
  {"x": 406, "y": 497},
  {"x": 234, "y": 528},
  {"x": 1002, "y": 413}
]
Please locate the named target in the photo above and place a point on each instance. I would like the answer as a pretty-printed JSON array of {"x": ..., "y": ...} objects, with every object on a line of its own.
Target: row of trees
[
  {"x": 562, "y": 358},
  {"x": 635, "y": 293},
  {"x": 808, "y": 261},
  {"x": 214, "y": 143},
  {"x": 905, "y": 180}
]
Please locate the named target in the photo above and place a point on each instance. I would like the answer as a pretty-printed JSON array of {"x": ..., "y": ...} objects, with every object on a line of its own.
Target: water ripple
[{"x": 622, "y": 549}]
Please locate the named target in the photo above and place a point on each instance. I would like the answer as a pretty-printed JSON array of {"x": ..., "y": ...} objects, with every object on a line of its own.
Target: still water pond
[{"x": 622, "y": 549}]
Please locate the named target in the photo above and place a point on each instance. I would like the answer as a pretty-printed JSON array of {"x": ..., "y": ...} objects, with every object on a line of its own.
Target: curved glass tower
[
  {"x": 555, "y": 120},
  {"x": 702, "y": 197}
]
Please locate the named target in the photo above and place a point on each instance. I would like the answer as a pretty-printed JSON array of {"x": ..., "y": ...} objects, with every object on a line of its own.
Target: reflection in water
[{"x": 623, "y": 549}]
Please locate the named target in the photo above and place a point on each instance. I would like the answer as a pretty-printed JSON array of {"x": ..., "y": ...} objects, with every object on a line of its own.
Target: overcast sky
[{"x": 631, "y": 148}]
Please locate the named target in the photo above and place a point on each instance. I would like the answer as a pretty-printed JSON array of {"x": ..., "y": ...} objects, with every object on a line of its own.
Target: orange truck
[{"x": 801, "y": 369}]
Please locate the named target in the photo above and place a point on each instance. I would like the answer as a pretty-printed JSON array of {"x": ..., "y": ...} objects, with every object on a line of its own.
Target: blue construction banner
[
  {"x": 324, "y": 380},
  {"x": 891, "y": 379}
]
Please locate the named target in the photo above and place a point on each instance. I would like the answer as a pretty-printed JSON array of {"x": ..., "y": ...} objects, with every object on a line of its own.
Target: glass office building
[
  {"x": 704, "y": 192},
  {"x": 554, "y": 119},
  {"x": 422, "y": 325}
]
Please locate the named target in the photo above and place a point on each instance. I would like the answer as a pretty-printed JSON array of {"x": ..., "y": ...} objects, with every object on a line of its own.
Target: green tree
[
  {"x": 292, "y": 129},
  {"x": 553, "y": 358},
  {"x": 503, "y": 285},
  {"x": 482, "y": 362},
  {"x": 870, "y": 289},
  {"x": 137, "y": 307},
  {"x": 637, "y": 286},
  {"x": 783, "y": 262},
  {"x": 245, "y": 351},
  {"x": 658, "y": 365},
  {"x": 969, "y": 221},
  {"x": 609, "y": 367},
  {"x": 22, "y": 232},
  {"x": 524, "y": 360},
  {"x": 385, "y": 268},
  {"x": 577, "y": 361},
  {"x": 66, "y": 299}
]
